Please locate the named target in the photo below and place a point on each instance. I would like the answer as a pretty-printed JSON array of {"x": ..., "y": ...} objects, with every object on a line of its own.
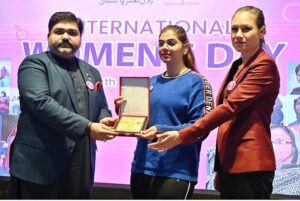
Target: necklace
[{"x": 169, "y": 77}]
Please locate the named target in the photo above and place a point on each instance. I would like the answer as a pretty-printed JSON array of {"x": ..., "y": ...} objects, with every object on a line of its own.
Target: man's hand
[
  {"x": 102, "y": 132},
  {"x": 148, "y": 134},
  {"x": 166, "y": 141}
]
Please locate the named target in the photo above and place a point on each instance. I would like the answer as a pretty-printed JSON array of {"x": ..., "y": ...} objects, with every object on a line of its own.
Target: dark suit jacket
[
  {"x": 49, "y": 126},
  {"x": 243, "y": 115}
]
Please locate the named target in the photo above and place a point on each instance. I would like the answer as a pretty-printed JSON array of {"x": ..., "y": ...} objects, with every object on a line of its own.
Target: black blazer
[{"x": 49, "y": 126}]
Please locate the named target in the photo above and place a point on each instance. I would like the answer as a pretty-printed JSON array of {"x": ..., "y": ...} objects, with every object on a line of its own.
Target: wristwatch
[{"x": 88, "y": 128}]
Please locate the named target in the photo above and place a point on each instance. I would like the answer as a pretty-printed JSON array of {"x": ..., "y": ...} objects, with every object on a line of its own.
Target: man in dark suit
[{"x": 63, "y": 112}]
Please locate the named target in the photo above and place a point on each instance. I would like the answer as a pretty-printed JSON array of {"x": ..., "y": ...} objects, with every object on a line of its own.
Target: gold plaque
[{"x": 130, "y": 124}]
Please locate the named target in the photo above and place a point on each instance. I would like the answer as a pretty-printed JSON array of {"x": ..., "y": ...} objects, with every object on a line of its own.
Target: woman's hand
[
  {"x": 118, "y": 103},
  {"x": 148, "y": 134},
  {"x": 166, "y": 141}
]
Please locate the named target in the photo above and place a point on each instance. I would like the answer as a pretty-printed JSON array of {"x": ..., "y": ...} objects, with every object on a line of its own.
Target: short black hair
[{"x": 67, "y": 17}]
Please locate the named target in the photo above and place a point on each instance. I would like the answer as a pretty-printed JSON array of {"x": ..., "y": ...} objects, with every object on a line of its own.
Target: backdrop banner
[{"x": 120, "y": 38}]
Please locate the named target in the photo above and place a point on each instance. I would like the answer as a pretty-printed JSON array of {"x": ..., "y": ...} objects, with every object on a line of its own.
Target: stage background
[{"x": 119, "y": 40}]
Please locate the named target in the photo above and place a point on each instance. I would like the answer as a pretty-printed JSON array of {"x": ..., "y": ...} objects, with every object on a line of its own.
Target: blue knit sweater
[{"x": 175, "y": 103}]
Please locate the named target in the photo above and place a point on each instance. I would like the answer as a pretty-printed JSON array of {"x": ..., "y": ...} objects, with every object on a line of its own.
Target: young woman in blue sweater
[{"x": 178, "y": 98}]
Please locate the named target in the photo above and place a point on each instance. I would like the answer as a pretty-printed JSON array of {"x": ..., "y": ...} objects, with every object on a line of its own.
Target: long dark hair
[{"x": 189, "y": 58}]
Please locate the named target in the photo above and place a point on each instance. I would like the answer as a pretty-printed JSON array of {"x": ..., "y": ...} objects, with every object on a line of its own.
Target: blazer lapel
[
  {"x": 69, "y": 84},
  {"x": 64, "y": 75},
  {"x": 248, "y": 65},
  {"x": 88, "y": 77},
  {"x": 238, "y": 79},
  {"x": 223, "y": 92}
]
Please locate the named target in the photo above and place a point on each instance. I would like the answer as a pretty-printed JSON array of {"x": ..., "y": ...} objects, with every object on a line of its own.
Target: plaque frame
[{"x": 136, "y": 90}]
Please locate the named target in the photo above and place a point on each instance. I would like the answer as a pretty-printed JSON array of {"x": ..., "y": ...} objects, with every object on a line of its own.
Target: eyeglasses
[{"x": 170, "y": 43}]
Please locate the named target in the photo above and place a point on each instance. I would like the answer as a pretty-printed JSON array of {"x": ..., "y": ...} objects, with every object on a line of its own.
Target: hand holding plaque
[{"x": 133, "y": 115}]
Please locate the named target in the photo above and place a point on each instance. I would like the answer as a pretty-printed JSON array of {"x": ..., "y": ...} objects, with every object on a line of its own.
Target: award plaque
[
  {"x": 133, "y": 115},
  {"x": 131, "y": 124}
]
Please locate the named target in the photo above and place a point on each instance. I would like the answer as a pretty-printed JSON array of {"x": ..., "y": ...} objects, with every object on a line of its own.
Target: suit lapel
[
  {"x": 69, "y": 85},
  {"x": 64, "y": 75},
  {"x": 223, "y": 90},
  {"x": 248, "y": 65},
  {"x": 88, "y": 77},
  {"x": 239, "y": 78}
]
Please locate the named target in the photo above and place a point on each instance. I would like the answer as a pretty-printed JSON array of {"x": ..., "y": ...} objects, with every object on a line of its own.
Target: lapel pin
[
  {"x": 90, "y": 85},
  {"x": 231, "y": 85}
]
